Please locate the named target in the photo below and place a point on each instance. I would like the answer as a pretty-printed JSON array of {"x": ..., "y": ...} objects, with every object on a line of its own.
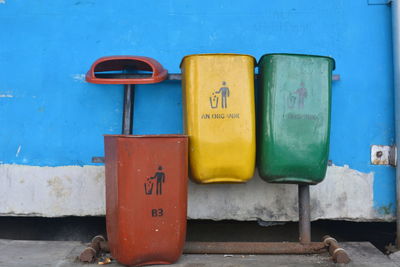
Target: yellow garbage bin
[{"x": 219, "y": 117}]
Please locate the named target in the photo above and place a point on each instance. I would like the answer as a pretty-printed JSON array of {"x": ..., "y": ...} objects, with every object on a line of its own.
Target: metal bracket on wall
[
  {"x": 171, "y": 76},
  {"x": 383, "y": 155},
  {"x": 178, "y": 77},
  {"x": 98, "y": 160}
]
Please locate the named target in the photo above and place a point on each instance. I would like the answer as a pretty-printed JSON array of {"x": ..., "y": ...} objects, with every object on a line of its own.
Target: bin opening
[
  {"x": 121, "y": 65},
  {"x": 126, "y": 70},
  {"x": 125, "y": 73}
]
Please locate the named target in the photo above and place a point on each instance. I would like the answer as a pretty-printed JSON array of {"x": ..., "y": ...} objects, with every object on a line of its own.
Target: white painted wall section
[{"x": 73, "y": 190}]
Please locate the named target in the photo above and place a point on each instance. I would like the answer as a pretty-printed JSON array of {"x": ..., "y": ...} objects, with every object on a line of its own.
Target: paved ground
[{"x": 64, "y": 254}]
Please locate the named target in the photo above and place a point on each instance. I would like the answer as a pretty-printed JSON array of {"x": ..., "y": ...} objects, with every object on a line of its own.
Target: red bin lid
[{"x": 126, "y": 70}]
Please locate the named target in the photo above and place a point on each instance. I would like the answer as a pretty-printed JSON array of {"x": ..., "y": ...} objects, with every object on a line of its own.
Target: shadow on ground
[{"x": 83, "y": 229}]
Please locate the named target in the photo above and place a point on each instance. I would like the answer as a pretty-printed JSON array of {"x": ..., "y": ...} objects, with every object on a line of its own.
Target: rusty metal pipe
[
  {"x": 339, "y": 255},
  {"x": 304, "y": 214},
  {"x": 192, "y": 247},
  {"x": 253, "y": 248}
]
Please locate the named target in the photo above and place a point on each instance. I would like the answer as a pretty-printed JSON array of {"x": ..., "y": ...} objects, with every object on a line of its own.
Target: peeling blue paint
[{"x": 58, "y": 119}]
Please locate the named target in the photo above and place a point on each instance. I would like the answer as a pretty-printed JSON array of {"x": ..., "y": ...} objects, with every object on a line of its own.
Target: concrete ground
[{"x": 64, "y": 254}]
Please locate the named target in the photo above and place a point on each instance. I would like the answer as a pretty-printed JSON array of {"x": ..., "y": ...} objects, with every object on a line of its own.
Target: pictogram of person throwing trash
[
  {"x": 299, "y": 99},
  {"x": 159, "y": 178},
  {"x": 224, "y": 92},
  {"x": 302, "y": 94}
]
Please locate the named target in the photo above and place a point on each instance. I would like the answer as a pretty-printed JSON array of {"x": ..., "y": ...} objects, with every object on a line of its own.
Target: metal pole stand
[
  {"x": 305, "y": 246},
  {"x": 304, "y": 214},
  {"x": 129, "y": 98},
  {"x": 338, "y": 254}
]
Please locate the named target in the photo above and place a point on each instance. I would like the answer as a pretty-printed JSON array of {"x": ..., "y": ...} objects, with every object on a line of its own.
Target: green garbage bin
[{"x": 294, "y": 117}]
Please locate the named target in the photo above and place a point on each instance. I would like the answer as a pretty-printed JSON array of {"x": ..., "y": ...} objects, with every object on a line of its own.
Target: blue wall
[{"x": 50, "y": 117}]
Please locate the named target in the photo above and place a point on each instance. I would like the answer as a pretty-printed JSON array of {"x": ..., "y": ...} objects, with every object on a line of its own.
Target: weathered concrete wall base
[
  {"x": 344, "y": 194},
  {"x": 73, "y": 190},
  {"x": 51, "y": 191}
]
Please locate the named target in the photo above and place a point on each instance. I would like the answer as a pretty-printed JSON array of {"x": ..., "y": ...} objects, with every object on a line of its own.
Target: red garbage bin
[
  {"x": 146, "y": 176},
  {"x": 146, "y": 193}
]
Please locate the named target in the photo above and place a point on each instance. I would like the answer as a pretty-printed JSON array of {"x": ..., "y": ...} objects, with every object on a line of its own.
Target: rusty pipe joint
[
  {"x": 91, "y": 253},
  {"x": 339, "y": 255}
]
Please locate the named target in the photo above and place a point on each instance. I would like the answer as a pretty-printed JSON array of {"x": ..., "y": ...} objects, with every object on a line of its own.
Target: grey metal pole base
[{"x": 304, "y": 214}]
